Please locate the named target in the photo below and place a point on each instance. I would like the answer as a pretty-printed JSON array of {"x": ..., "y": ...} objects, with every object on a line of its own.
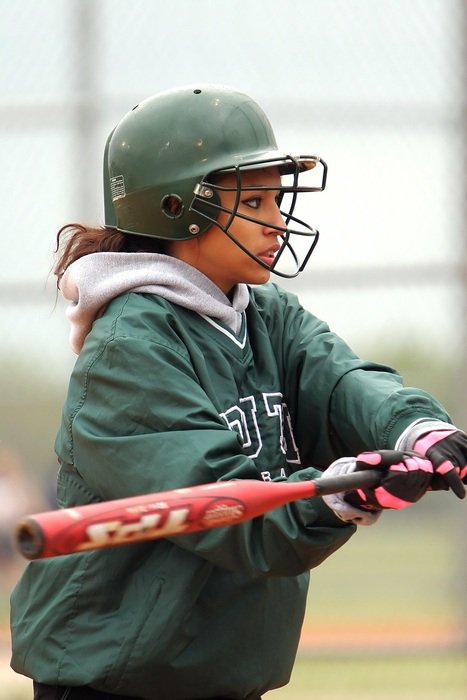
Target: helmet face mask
[
  {"x": 165, "y": 158},
  {"x": 287, "y": 261}
]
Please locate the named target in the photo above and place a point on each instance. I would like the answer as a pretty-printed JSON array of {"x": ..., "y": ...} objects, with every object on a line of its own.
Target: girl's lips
[
  {"x": 269, "y": 255},
  {"x": 267, "y": 258}
]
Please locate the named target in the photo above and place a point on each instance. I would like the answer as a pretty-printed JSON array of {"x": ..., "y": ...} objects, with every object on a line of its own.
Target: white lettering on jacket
[{"x": 243, "y": 419}]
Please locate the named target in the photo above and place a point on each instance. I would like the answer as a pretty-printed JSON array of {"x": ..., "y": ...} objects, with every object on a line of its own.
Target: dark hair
[{"x": 75, "y": 240}]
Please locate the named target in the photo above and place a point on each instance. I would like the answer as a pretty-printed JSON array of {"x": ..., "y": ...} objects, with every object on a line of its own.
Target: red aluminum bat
[{"x": 156, "y": 515}]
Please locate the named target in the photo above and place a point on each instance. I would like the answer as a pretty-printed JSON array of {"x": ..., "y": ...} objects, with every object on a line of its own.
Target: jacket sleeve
[
  {"x": 340, "y": 404},
  {"x": 121, "y": 439}
]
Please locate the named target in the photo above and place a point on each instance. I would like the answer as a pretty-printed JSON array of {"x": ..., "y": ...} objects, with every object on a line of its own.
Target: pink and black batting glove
[
  {"x": 446, "y": 448},
  {"x": 406, "y": 477},
  {"x": 335, "y": 501}
]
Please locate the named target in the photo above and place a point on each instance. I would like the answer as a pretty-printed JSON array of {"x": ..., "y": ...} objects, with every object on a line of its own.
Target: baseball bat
[{"x": 167, "y": 513}]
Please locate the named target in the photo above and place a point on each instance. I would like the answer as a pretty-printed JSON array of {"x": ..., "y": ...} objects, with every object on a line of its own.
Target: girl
[{"x": 186, "y": 374}]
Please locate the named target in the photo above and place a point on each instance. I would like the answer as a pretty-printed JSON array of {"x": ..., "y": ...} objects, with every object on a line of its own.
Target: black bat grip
[{"x": 368, "y": 478}]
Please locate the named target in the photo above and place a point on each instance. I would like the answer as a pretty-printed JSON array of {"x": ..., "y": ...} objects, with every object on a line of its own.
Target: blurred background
[{"x": 379, "y": 91}]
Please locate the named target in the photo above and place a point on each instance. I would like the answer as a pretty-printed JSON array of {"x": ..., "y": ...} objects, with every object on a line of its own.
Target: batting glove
[
  {"x": 406, "y": 476},
  {"x": 446, "y": 448},
  {"x": 335, "y": 501}
]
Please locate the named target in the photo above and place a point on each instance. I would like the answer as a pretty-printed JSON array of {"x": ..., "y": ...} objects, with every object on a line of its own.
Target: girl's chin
[{"x": 261, "y": 277}]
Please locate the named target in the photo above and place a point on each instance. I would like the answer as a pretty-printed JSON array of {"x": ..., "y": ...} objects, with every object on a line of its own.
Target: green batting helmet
[{"x": 161, "y": 157}]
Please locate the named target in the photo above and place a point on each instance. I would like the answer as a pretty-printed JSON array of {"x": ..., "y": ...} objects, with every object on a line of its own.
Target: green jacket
[{"x": 161, "y": 398}]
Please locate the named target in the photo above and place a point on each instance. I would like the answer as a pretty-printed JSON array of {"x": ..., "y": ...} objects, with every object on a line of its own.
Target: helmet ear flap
[{"x": 206, "y": 202}]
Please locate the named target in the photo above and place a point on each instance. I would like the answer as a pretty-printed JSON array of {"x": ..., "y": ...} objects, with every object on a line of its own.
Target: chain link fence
[{"x": 378, "y": 90}]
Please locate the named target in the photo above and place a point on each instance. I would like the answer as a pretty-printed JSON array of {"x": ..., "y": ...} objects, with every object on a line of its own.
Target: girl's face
[{"x": 217, "y": 256}]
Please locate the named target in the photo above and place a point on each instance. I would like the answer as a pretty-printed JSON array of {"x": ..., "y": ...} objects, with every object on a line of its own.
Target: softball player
[{"x": 193, "y": 367}]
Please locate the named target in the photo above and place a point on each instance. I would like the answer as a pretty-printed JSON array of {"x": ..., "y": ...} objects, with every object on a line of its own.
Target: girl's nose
[{"x": 275, "y": 219}]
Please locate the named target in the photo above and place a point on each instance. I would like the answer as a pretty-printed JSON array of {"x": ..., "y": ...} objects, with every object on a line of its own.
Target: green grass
[{"x": 414, "y": 678}]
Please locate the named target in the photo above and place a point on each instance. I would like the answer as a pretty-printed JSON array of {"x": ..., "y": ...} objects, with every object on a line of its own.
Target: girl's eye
[{"x": 252, "y": 202}]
